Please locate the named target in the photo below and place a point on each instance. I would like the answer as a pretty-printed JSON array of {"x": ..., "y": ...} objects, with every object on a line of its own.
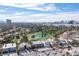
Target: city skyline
[{"x": 39, "y": 12}]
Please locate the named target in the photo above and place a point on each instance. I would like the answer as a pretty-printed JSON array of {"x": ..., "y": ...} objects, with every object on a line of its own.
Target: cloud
[
  {"x": 33, "y": 6},
  {"x": 43, "y": 17},
  {"x": 25, "y": 16},
  {"x": 65, "y": 16},
  {"x": 2, "y": 10}
]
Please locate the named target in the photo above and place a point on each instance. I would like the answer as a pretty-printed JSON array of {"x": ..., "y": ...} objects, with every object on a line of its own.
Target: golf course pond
[{"x": 38, "y": 36}]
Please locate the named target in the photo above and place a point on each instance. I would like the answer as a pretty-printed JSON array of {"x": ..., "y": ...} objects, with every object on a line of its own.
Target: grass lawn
[
  {"x": 49, "y": 35},
  {"x": 30, "y": 35},
  {"x": 38, "y": 39}
]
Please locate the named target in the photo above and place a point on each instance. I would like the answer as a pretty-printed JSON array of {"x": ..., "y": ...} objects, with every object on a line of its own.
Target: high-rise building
[{"x": 8, "y": 21}]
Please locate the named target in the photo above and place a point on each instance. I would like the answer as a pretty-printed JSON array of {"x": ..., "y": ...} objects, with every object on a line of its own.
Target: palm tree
[
  {"x": 1, "y": 45},
  {"x": 17, "y": 41},
  {"x": 25, "y": 39}
]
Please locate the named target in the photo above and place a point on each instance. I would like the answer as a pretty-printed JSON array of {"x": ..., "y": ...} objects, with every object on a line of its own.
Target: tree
[
  {"x": 33, "y": 36},
  {"x": 25, "y": 38},
  {"x": 17, "y": 41},
  {"x": 1, "y": 45}
]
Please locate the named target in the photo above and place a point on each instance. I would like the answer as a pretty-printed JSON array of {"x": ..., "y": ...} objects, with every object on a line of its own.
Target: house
[
  {"x": 9, "y": 47},
  {"x": 24, "y": 46},
  {"x": 38, "y": 44}
]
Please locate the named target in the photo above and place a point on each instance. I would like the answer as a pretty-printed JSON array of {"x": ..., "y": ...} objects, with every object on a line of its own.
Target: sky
[{"x": 39, "y": 12}]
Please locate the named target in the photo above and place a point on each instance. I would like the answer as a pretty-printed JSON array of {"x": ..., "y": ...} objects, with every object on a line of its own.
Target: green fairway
[{"x": 38, "y": 36}]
